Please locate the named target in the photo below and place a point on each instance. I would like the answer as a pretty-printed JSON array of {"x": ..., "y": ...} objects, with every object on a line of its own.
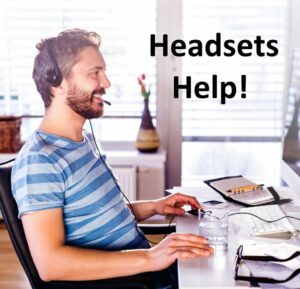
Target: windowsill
[{"x": 135, "y": 157}]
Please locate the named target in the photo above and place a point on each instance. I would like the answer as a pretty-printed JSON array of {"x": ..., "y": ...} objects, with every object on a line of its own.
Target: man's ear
[{"x": 61, "y": 89}]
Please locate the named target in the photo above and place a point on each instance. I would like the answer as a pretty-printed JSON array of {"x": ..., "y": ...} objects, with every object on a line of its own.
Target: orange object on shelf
[{"x": 10, "y": 134}]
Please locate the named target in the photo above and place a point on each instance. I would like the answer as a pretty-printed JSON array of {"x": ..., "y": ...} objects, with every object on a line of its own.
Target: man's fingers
[
  {"x": 189, "y": 237},
  {"x": 184, "y": 243},
  {"x": 197, "y": 248},
  {"x": 174, "y": 211},
  {"x": 181, "y": 254},
  {"x": 188, "y": 253},
  {"x": 204, "y": 251},
  {"x": 186, "y": 200},
  {"x": 190, "y": 242}
]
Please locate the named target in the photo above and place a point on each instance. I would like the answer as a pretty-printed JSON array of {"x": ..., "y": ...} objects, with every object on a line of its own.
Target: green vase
[{"x": 147, "y": 139}]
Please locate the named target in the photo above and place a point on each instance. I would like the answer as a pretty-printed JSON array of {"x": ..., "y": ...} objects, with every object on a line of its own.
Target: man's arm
[
  {"x": 57, "y": 261},
  {"x": 170, "y": 205}
]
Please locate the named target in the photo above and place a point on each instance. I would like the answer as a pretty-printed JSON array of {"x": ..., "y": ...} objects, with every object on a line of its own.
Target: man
[{"x": 76, "y": 222}]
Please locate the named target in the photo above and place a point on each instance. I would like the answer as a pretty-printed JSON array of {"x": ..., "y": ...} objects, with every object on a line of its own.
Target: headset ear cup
[
  {"x": 53, "y": 77},
  {"x": 53, "y": 74}
]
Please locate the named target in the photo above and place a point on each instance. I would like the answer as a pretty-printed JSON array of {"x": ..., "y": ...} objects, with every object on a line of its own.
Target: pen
[{"x": 245, "y": 188}]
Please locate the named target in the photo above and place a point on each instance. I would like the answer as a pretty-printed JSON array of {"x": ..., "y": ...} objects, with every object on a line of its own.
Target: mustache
[
  {"x": 85, "y": 95},
  {"x": 99, "y": 91},
  {"x": 73, "y": 90},
  {"x": 102, "y": 92}
]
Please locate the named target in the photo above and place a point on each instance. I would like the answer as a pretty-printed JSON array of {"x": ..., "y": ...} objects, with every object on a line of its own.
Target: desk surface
[{"x": 217, "y": 271}]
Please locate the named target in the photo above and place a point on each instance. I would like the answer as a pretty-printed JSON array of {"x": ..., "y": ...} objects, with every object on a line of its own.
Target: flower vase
[{"x": 147, "y": 139}]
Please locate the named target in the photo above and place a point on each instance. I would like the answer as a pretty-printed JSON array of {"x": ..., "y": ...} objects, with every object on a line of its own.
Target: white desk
[{"x": 216, "y": 271}]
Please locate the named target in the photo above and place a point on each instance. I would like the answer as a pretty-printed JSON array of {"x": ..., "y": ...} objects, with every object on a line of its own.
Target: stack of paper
[{"x": 277, "y": 270}]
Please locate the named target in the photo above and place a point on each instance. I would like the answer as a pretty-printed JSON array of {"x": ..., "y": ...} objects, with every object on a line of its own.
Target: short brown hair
[{"x": 65, "y": 49}]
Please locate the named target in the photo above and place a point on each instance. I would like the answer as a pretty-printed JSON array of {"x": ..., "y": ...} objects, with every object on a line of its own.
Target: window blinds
[
  {"x": 259, "y": 115},
  {"x": 124, "y": 27}
]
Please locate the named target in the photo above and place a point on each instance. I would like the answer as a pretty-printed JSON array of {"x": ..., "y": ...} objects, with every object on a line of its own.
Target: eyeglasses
[{"x": 239, "y": 259}]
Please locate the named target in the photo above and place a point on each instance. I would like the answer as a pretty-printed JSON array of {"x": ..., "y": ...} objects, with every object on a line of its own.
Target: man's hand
[
  {"x": 172, "y": 205},
  {"x": 177, "y": 246}
]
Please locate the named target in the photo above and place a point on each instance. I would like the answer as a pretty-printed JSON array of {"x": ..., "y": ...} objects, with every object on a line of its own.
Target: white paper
[
  {"x": 276, "y": 270},
  {"x": 258, "y": 196}
]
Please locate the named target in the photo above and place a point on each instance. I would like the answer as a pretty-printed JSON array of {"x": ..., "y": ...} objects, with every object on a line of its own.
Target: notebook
[{"x": 243, "y": 190}]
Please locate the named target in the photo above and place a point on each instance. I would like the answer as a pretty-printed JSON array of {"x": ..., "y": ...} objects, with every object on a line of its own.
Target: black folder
[{"x": 276, "y": 197}]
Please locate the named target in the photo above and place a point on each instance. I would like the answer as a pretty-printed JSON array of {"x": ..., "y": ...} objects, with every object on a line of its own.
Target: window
[
  {"x": 243, "y": 136},
  {"x": 24, "y": 23}
]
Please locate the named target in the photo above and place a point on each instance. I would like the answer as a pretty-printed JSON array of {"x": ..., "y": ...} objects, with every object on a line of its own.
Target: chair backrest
[{"x": 14, "y": 226}]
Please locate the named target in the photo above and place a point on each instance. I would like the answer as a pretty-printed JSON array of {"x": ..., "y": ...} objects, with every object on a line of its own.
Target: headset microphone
[{"x": 107, "y": 102}]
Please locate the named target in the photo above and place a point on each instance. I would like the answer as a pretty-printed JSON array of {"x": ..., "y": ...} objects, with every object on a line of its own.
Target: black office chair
[{"x": 14, "y": 226}]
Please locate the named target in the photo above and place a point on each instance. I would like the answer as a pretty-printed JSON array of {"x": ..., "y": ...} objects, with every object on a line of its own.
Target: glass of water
[{"x": 213, "y": 225}]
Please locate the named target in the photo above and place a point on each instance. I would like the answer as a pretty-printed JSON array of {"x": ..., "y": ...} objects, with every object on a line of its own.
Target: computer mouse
[{"x": 193, "y": 212}]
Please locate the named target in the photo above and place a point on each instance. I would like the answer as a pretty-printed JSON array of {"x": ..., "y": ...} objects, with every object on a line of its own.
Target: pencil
[{"x": 245, "y": 188}]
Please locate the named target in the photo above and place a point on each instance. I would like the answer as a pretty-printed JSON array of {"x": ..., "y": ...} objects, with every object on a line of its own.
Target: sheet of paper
[
  {"x": 277, "y": 270},
  {"x": 281, "y": 250},
  {"x": 227, "y": 184},
  {"x": 258, "y": 196}
]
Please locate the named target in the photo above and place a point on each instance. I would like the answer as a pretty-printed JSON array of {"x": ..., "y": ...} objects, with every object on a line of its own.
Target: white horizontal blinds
[
  {"x": 3, "y": 60},
  {"x": 119, "y": 27},
  {"x": 25, "y": 24},
  {"x": 259, "y": 115},
  {"x": 293, "y": 93},
  {"x": 4, "y": 64}
]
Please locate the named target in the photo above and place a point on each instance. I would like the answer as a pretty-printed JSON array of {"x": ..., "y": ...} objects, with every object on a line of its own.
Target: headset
[{"x": 53, "y": 74}]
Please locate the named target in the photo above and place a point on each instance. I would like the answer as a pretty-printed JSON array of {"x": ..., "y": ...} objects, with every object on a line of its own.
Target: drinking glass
[{"x": 213, "y": 225}]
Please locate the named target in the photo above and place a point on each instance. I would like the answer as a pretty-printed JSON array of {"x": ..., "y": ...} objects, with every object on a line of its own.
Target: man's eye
[{"x": 95, "y": 73}]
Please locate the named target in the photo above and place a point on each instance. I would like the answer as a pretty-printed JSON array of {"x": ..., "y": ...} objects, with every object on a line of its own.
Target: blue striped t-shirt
[{"x": 55, "y": 172}]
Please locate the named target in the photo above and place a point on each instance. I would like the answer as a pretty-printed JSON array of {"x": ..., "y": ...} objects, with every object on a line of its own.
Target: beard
[{"x": 81, "y": 101}]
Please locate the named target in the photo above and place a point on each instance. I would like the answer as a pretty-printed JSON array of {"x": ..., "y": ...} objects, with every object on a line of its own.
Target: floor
[{"x": 12, "y": 275}]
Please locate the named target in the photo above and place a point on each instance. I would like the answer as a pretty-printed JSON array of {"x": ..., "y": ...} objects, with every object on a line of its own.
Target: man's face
[{"x": 88, "y": 82}]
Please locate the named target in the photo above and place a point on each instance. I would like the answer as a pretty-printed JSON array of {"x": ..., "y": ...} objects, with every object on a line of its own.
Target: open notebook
[{"x": 241, "y": 190}]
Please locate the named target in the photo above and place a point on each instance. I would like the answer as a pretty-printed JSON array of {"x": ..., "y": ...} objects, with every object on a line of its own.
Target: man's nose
[{"x": 104, "y": 81}]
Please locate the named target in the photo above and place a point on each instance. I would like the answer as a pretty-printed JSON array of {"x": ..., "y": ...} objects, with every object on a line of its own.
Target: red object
[{"x": 143, "y": 88}]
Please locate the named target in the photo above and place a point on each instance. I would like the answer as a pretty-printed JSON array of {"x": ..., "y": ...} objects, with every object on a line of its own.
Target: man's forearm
[
  {"x": 143, "y": 209},
  {"x": 73, "y": 263}
]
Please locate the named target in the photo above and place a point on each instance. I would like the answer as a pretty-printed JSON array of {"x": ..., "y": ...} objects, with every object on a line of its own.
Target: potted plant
[{"x": 147, "y": 138}]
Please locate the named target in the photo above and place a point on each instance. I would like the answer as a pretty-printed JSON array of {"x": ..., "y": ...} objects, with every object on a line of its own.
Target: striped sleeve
[{"x": 37, "y": 183}]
